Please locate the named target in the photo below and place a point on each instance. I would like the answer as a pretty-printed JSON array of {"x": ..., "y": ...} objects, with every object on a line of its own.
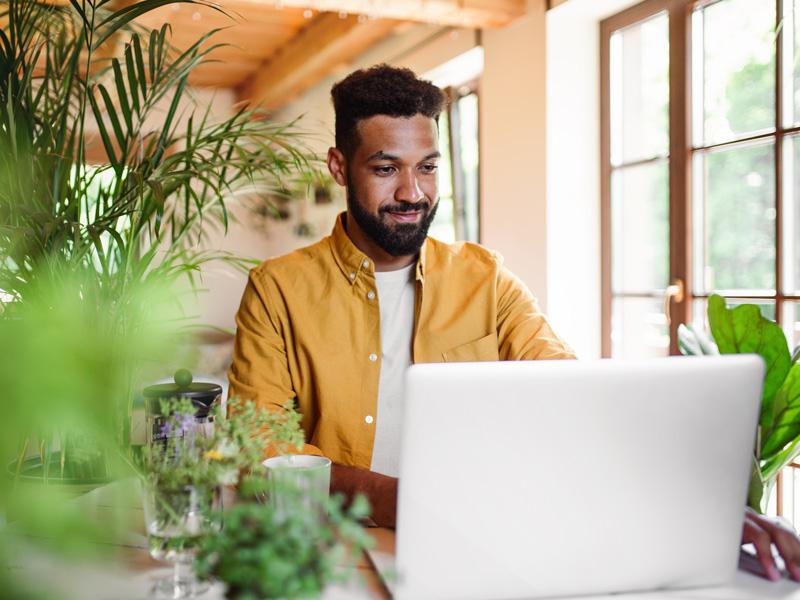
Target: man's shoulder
[
  {"x": 462, "y": 254},
  {"x": 277, "y": 268}
]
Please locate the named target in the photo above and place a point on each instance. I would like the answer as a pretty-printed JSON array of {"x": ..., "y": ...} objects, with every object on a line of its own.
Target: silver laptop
[{"x": 548, "y": 478}]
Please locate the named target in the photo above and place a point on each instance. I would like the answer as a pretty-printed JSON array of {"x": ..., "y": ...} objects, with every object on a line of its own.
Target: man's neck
[{"x": 382, "y": 259}]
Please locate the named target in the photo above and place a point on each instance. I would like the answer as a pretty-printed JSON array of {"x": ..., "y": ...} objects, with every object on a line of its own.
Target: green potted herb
[
  {"x": 744, "y": 329},
  {"x": 264, "y": 552},
  {"x": 185, "y": 467}
]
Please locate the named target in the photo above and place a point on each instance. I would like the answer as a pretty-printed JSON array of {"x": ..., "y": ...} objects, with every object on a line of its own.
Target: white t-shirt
[{"x": 396, "y": 301}]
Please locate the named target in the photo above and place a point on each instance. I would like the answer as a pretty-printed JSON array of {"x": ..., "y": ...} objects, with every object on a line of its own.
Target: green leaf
[
  {"x": 787, "y": 415},
  {"x": 111, "y": 111},
  {"x": 101, "y": 126},
  {"x": 756, "y": 489},
  {"x": 772, "y": 466},
  {"x": 695, "y": 343},
  {"x": 122, "y": 92},
  {"x": 130, "y": 71},
  {"x": 745, "y": 330}
]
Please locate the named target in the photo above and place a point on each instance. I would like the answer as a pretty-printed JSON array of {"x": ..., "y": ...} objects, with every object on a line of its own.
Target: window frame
[
  {"x": 453, "y": 94},
  {"x": 681, "y": 155}
]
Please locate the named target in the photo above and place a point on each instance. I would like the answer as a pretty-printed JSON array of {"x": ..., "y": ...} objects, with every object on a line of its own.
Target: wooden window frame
[
  {"x": 453, "y": 94},
  {"x": 681, "y": 154}
]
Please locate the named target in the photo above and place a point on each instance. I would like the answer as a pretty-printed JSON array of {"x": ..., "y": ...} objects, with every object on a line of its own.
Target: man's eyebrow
[
  {"x": 381, "y": 155},
  {"x": 433, "y": 155}
]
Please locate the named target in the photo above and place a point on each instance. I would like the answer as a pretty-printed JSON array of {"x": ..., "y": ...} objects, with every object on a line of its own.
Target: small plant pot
[{"x": 71, "y": 484}]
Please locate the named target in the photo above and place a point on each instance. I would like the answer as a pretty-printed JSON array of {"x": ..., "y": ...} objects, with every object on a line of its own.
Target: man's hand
[
  {"x": 380, "y": 489},
  {"x": 762, "y": 532}
]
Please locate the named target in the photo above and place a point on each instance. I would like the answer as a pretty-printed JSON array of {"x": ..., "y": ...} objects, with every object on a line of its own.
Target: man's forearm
[{"x": 381, "y": 490}]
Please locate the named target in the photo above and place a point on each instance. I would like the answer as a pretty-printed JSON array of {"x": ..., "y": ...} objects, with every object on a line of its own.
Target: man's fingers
[
  {"x": 789, "y": 549},
  {"x": 788, "y": 545},
  {"x": 758, "y": 536}
]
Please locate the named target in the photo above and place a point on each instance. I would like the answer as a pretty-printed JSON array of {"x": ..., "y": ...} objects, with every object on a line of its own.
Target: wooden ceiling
[
  {"x": 271, "y": 51},
  {"x": 251, "y": 33},
  {"x": 276, "y": 49}
]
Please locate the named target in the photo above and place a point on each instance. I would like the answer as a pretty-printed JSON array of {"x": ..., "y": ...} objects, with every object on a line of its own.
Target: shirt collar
[{"x": 353, "y": 262}]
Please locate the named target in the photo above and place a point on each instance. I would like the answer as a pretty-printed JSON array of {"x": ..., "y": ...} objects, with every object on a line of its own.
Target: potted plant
[
  {"x": 184, "y": 469},
  {"x": 269, "y": 552},
  {"x": 82, "y": 73},
  {"x": 744, "y": 329}
]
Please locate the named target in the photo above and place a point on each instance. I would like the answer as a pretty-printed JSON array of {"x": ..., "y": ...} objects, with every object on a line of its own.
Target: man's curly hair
[{"x": 380, "y": 90}]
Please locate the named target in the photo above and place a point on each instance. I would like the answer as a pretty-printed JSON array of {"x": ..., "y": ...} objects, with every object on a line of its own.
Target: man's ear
[{"x": 337, "y": 165}]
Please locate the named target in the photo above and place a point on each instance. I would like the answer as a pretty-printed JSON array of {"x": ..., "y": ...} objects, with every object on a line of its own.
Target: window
[
  {"x": 457, "y": 216},
  {"x": 701, "y": 166},
  {"x": 700, "y": 170}
]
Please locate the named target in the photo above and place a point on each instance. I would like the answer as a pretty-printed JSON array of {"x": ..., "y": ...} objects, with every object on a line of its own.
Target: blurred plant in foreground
[{"x": 71, "y": 354}]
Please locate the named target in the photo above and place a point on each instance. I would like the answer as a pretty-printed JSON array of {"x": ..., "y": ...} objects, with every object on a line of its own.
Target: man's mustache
[{"x": 406, "y": 207}]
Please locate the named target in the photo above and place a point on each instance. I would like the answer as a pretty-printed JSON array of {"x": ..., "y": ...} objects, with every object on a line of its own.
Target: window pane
[
  {"x": 738, "y": 63},
  {"x": 638, "y": 328},
  {"x": 734, "y": 219},
  {"x": 640, "y": 228},
  {"x": 791, "y": 323},
  {"x": 791, "y": 216},
  {"x": 640, "y": 89},
  {"x": 468, "y": 113},
  {"x": 443, "y": 226}
]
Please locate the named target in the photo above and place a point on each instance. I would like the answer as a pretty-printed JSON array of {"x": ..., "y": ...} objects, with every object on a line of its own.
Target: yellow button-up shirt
[{"x": 308, "y": 329}]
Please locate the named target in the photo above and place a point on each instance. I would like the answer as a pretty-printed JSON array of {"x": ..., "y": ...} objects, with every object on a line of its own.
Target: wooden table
[
  {"x": 128, "y": 571},
  {"x": 131, "y": 573}
]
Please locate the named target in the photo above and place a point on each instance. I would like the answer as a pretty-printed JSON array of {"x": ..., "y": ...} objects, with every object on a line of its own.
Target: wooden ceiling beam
[
  {"x": 310, "y": 56},
  {"x": 478, "y": 14}
]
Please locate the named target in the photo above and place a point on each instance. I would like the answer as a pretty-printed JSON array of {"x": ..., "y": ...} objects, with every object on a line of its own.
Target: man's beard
[{"x": 397, "y": 239}]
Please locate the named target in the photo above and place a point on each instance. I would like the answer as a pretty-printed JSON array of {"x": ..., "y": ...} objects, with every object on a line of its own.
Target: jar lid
[{"x": 202, "y": 395}]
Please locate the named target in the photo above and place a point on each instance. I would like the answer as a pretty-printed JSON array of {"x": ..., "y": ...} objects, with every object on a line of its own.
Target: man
[{"x": 335, "y": 325}]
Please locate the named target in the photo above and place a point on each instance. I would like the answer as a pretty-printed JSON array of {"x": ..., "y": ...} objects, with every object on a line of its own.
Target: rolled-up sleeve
[{"x": 522, "y": 330}]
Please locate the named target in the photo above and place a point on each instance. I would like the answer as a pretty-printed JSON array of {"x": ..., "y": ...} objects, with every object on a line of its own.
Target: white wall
[
  {"x": 512, "y": 131},
  {"x": 573, "y": 170}
]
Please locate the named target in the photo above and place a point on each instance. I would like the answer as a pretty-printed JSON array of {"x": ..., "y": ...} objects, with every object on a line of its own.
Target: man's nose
[{"x": 409, "y": 190}]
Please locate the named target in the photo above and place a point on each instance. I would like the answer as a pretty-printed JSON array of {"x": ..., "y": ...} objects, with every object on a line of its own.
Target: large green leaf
[
  {"x": 745, "y": 330},
  {"x": 786, "y": 423}
]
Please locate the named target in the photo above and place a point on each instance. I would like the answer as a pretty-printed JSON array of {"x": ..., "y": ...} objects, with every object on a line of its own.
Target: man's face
[{"x": 391, "y": 181}]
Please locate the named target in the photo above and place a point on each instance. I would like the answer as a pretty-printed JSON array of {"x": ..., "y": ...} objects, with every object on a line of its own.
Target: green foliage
[
  {"x": 237, "y": 443},
  {"x": 695, "y": 343},
  {"x": 66, "y": 374},
  {"x": 785, "y": 426},
  {"x": 744, "y": 329},
  {"x": 263, "y": 552},
  {"x": 142, "y": 215},
  {"x": 90, "y": 254}
]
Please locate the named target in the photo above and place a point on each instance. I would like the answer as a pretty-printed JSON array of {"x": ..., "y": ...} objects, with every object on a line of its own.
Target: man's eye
[
  {"x": 385, "y": 170},
  {"x": 429, "y": 168}
]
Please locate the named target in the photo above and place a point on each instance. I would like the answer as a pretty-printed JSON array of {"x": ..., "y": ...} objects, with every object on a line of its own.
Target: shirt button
[
  {"x": 365, "y": 264},
  {"x": 352, "y": 275},
  {"x": 368, "y": 419},
  {"x": 373, "y": 357},
  {"x": 371, "y": 295}
]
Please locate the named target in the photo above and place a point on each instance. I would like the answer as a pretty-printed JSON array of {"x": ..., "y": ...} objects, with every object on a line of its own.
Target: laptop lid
[{"x": 546, "y": 478}]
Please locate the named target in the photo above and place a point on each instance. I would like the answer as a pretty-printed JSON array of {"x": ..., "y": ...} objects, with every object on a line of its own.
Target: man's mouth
[{"x": 405, "y": 215}]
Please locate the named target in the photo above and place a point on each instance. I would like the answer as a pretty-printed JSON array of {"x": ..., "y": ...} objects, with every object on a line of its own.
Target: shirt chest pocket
[{"x": 482, "y": 349}]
